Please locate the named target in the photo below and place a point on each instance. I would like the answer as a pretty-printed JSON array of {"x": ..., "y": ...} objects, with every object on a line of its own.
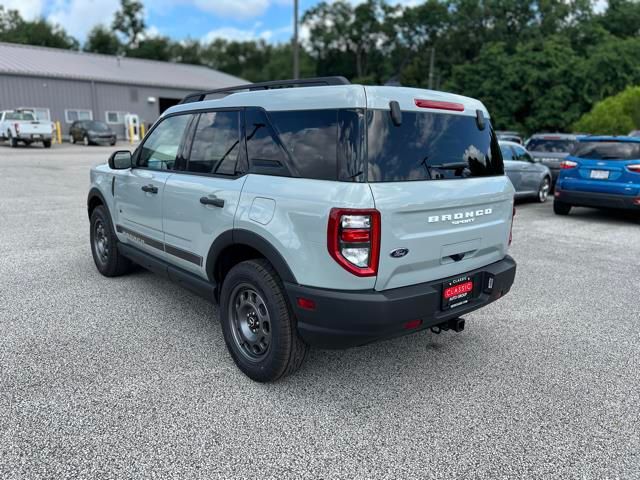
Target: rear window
[
  {"x": 25, "y": 116},
  {"x": 551, "y": 145},
  {"x": 607, "y": 150},
  {"x": 429, "y": 146}
]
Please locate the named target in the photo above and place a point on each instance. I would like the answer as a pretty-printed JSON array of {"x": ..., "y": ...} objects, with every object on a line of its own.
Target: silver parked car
[{"x": 529, "y": 177}]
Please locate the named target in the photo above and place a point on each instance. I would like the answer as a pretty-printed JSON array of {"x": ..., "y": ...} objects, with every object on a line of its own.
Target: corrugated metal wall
[{"x": 60, "y": 94}]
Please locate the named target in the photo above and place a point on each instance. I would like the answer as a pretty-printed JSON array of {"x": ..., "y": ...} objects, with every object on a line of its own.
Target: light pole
[{"x": 296, "y": 53}]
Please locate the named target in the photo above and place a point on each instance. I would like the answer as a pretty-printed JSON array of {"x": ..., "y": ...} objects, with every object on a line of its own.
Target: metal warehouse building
[{"x": 63, "y": 85}]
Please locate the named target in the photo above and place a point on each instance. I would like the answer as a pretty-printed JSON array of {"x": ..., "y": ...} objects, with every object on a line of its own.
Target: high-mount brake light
[
  {"x": 456, "y": 107},
  {"x": 634, "y": 168},
  {"x": 568, "y": 164},
  {"x": 353, "y": 240}
]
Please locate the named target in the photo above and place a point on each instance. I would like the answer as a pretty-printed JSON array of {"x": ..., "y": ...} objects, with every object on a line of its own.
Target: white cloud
[
  {"x": 241, "y": 35},
  {"x": 77, "y": 17},
  {"x": 29, "y": 9},
  {"x": 233, "y": 8},
  {"x": 229, "y": 33}
]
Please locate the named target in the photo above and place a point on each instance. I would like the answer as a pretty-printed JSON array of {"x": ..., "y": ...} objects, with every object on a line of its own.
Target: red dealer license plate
[{"x": 456, "y": 292}]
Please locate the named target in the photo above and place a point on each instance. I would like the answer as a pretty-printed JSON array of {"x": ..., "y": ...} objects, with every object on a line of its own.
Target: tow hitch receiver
[{"x": 455, "y": 324}]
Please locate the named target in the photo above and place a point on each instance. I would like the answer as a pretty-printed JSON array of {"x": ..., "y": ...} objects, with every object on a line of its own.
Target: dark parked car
[
  {"x": 551, "y": 149},
  {"x": 529, "y": 177},
  {"x": 92, "y": 132}
]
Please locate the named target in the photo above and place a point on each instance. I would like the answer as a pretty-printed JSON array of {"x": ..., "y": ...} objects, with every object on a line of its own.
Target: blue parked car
[{"x": 601, "y": 172}]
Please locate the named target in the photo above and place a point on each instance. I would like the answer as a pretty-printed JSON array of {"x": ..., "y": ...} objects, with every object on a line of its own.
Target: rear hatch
[
  {"x": 551, "y": 149},
  {"x": 437, "y": 180},
  {"x": 608, "y": 167}
]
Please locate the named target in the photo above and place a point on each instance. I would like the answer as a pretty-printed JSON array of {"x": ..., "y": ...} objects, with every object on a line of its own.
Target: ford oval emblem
[{"x": 399, "y": 252}]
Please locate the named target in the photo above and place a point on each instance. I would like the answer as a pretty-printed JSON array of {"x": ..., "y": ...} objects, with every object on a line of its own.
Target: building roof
[{"x": 47, "y": 62}]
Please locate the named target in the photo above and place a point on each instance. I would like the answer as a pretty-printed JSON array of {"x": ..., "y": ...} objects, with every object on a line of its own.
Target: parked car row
[
  {"x": 21, "y": 126},
  {"x": 582, "y": 170}
]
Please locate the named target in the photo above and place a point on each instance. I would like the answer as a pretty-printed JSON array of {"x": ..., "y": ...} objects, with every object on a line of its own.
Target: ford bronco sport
[{"x": 315, "y": 212}]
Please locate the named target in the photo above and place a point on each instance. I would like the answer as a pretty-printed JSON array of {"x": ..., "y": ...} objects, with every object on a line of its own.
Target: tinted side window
[
  {"x": 266, "y": 157},
  {"x": 507, "y": 152},
  {"x": 310, "y": 137},
  {"x": 216, "y": 143},
  {"x": 160, "y": 149},
  {"x": 521, "y": 154},
  {"x": 351, "y": 145}
]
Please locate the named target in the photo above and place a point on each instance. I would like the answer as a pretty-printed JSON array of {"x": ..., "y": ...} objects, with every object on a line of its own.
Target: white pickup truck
[{"x": 22, "y": 126}]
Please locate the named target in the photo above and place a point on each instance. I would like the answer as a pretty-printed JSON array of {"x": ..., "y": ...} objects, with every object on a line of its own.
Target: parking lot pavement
[{"x": 130, "y": 378}]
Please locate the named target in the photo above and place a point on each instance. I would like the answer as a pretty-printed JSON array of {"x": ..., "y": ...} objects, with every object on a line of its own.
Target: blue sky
[{"x": 201, "y": 19}]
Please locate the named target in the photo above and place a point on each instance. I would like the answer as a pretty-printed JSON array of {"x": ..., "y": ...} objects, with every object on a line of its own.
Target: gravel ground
[{"x": 130, "y": 378}]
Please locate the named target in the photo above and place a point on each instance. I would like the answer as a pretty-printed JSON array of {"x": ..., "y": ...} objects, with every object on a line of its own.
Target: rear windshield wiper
[{"x": 452, "y": 166}]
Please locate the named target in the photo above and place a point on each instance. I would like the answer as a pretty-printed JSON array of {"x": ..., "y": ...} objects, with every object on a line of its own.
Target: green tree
[
  {"x": 153, "y": 48},
  {"x": 102, "y": 40},
  {"x": 14, "y": 29},
  {"x": 129, "y": 21},
  {"x": 616, "y": 115}
]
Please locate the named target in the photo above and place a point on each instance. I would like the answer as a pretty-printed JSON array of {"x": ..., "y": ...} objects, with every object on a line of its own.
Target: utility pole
[
  {"x": 296, "y": 52},
  {"x": 431, "y": 72}
]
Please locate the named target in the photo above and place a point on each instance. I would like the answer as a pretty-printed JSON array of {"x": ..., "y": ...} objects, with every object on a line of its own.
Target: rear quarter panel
[{"x": 292, "y": 214}]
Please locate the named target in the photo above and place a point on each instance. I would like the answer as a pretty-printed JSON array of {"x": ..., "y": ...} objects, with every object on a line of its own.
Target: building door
[{"x": 165, "y": 103}]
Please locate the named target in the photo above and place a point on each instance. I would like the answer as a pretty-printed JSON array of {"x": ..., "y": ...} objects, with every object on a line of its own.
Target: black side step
[{"x": 185, "y": 279}]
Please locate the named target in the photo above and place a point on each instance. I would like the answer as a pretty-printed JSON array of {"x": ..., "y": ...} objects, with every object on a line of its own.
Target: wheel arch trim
[{"x": 249, "y": 239}]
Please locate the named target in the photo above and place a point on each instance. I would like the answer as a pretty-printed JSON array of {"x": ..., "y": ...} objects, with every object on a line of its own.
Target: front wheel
[
  {"x": 258, "y": 324},
  {"x": 13, "y": 141},
  {"x": 85, "y": 140},
  {"x": 104, "y": 245},
  {"x": 543, "y": 190},
  {"x": 561, "y": 208}
]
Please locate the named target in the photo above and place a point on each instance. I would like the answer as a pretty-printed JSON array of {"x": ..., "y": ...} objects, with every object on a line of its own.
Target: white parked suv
[{"x": 315, "y": 212}]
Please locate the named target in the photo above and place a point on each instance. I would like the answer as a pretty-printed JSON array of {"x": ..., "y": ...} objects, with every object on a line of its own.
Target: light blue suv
[{"x": 315, "y": 212}]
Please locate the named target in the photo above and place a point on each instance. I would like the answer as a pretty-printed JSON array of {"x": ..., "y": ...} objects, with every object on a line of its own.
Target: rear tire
[
  {"x": 561, "y": 208},
  {"x": 258, "y": 324},
  {"x": 72, "y": 139},
  {"x": 46, "y": 143},
  {"x": 543, "y": 190},
  {"x": 104, "y": 245}
]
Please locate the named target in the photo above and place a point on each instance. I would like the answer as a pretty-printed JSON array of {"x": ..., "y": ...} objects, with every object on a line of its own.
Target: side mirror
[{"x": 120, "y": 160}]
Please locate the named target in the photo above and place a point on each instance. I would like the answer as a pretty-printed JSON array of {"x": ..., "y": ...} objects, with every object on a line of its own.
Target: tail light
[
  {"x": 17, "y": 128},
  {"x": 353, "y": 240},
  {"x": 513, "y": 215},
  {"x": 634, "y": 168},
  {"x": 567, "y": 164}
]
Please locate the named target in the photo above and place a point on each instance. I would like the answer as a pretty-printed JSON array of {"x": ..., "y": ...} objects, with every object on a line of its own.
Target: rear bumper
[
  {"x": 597, "y": 200},
  {"x": 344, "y": 319}
]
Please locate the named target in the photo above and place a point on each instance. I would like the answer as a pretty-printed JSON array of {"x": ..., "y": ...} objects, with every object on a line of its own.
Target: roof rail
[{"x": 301, "y": 82}]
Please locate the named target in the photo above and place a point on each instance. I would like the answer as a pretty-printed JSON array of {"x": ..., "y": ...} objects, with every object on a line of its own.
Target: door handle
[
  {"x": 150, "y": 189},
  {"x": 213, "y": 200}
]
